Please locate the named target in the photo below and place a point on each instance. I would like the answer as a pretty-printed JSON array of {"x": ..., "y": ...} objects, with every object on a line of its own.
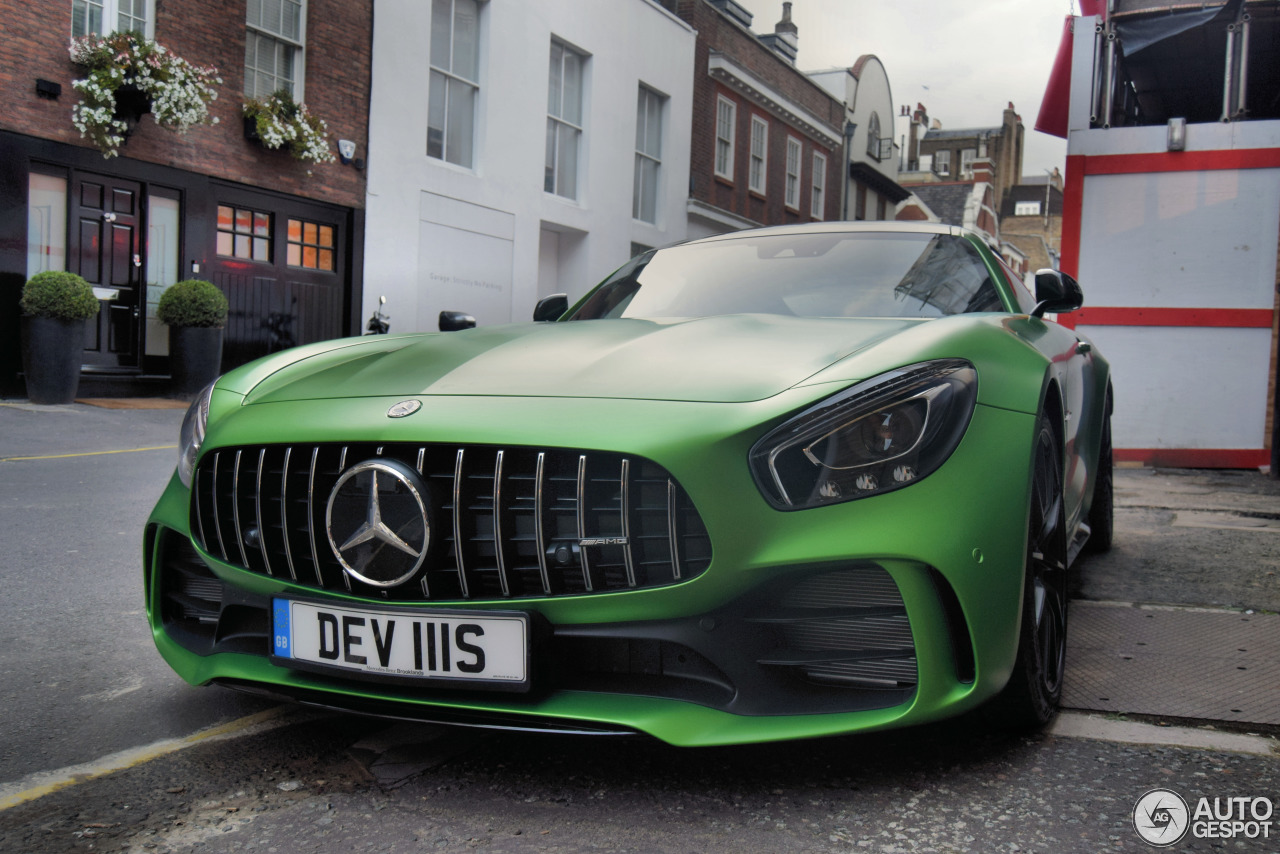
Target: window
[
  {"x": 816, "y": 200},
  {"x": 455, "y": 80},
  {"x": 111, "y": 16},
  {"x": 564, "y": 121},
  {"x": 310, "y": 245},
  {"x": 942, "y": 162},
  {"x": 644, "y": 204},
  {"x": 726, "y": 119},
  {"x": 244, "y": 233},
  {"x": 164, "y": 214},
  {"x": 46, "y": 223},
  {"x": 1026, "y": 209},
  {"x": 273, "y": 48},
  {"x": 792, "y": 192},
  {"x": 873, "y": 136},
  {"x": 966, "y": 162},
  {"x": 759, "y": 154}
]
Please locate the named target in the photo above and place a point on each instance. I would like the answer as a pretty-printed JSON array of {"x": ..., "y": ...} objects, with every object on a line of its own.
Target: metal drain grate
[{"x": 1180, "y": 662}]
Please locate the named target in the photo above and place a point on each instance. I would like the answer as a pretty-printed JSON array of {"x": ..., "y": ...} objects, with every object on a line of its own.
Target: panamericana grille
[{"x": 507, "y": 522}]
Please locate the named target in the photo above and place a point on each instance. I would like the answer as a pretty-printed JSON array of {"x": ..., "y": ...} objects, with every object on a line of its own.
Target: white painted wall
[
  {"x": 863, "y": 95},
  {"x": 488, "y": 240}
]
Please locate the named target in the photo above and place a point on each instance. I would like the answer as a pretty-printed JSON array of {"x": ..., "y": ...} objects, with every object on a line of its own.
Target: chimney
[
  {"x": 785, "y": 38},
  {"x": 786, "y": 25}
]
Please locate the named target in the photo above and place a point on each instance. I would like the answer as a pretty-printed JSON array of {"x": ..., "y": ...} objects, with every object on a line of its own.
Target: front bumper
[{"x": 730, "y": 656}]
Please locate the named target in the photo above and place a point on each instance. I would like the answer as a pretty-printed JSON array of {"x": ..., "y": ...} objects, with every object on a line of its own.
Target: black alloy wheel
[{"x": 1031, "y": 698}]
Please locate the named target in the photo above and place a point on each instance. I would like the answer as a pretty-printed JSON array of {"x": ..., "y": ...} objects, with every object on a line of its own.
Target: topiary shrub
[
  {"x": 60, "y": 295},
  {"x": 193, "y": 302}
]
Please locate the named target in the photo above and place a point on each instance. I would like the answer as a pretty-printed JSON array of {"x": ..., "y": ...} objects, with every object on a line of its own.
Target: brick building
[
  {"x": 950, "y": 154},
  {"x": 281, "y": 237},
  {"x": 767, "y": 142},
  {"x": 1031, "y": 219}
]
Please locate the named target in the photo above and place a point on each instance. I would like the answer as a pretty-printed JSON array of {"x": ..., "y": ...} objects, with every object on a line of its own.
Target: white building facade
[
  {"x": 871, "y": 189},
  {"x": 520, "y": 149}
]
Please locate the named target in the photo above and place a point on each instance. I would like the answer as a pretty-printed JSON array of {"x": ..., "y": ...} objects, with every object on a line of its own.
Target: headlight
[
  {"x": 880, "y": 435},
  {"x": 192, "y": 435}
]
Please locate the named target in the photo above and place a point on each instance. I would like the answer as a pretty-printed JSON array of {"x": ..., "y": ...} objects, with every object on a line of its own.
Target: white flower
[{"x": 178, "y": 93}]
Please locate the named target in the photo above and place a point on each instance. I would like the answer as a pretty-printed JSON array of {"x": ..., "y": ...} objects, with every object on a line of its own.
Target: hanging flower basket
[
  {"x": 279, "y": 122},
  {"x": 129, "y": 76}
]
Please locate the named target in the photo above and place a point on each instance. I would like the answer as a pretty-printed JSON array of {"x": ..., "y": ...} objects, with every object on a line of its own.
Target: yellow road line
[
  {"x": 44, "y": 783},
  {"x": 87, "y": 454}
]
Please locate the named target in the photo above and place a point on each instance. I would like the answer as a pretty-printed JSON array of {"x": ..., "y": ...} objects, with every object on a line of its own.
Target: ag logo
[{"x": 1161, "y": 817}]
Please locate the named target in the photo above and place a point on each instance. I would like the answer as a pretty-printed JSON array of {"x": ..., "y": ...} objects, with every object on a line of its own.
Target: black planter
[
  {"x": 52, "y": 351},
  {"x": 251, "y": 129},
  {"x": 131, "y": 105},
  {"x": 195, "y": 358}
]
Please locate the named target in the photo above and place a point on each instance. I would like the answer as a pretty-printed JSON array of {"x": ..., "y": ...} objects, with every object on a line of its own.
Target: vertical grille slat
[
  {"x": 217, "y": 516},
  {"x": 672, "y": 525},
  {"x": 581, "y": 513},
  {"x": 506, "y": 523},
  {"x": 284, "y": 513},
  {"x": 235, "y": 510},
  {"x": 311, "y": 515},
  {"x": 497, "y": 526},
  {"x": 457, "y": 524},
  {"x": 538, "y": 515},
  {"x": 257, "y": 511},
  {"x": 628, "y": 550}
]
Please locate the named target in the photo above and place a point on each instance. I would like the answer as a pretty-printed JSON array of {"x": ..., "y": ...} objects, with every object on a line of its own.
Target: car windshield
[{"x": 863, "y": 274}]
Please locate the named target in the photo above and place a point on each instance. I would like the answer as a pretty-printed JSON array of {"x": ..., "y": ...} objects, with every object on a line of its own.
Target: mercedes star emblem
[
  {"x": 378, "y": 522},
  {"x": 403, "y": 408}
]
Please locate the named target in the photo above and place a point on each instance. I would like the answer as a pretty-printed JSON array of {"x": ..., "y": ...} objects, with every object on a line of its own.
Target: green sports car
[{"x": 774, "y": 484}]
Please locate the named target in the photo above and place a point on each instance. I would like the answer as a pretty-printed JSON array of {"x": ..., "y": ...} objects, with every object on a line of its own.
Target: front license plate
[{"x": 472, "y": 646}]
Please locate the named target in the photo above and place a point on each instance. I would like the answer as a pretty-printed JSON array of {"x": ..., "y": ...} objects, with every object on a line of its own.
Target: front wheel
[{"x": 1031, "y": 698}]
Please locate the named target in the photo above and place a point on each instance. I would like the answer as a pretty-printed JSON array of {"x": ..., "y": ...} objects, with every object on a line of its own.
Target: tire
[
  {"x": 1102, "y": 508},
  {"x": 1031, "y": 698}
]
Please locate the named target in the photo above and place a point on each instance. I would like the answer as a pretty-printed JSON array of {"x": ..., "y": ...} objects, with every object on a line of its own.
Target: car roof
[{"x": 882, "y": 226}]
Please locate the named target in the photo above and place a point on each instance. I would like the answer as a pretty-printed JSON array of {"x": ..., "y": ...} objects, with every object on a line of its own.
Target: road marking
[
  {"x": 87, "y": 454},
  {"x": 43, "y": 783},
  {"x": 1081, "y": 725}
]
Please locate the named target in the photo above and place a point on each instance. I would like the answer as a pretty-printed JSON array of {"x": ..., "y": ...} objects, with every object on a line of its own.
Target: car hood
[{"x": 727, "y": 359}]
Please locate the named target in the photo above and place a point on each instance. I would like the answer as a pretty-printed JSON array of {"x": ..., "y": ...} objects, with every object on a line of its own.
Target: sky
[{"x": 964, "y": 61}]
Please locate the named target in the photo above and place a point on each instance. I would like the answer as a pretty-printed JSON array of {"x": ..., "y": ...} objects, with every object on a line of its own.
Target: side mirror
[
  {"x": 453, "y": 321},
  {"x": 550, "y": 308},
  {"x": 1056, "y": 292}
]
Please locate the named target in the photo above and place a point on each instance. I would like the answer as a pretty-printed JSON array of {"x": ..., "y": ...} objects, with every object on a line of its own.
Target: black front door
[{"x": 106, "y": 250}]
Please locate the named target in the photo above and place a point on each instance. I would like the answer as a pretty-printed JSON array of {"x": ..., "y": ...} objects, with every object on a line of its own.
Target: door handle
[{"x": 108, "y": 217}]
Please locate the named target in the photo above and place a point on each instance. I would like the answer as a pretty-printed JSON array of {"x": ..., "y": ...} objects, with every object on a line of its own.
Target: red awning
[{"x": 1057, "y": 93}]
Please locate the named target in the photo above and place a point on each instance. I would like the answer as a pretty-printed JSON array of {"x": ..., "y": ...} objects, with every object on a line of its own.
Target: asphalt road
[
  {"x": 79, "y": 676},
  {"x": 80, "y": 682}
]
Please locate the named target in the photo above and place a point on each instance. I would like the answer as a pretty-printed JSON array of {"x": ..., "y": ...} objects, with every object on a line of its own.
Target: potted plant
[
  {"x": 195, "y": 312},
  {"x": 128, "y": 76},
  {"x": 55, "y": 306},
  {"x": 279, "y": 122}
]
